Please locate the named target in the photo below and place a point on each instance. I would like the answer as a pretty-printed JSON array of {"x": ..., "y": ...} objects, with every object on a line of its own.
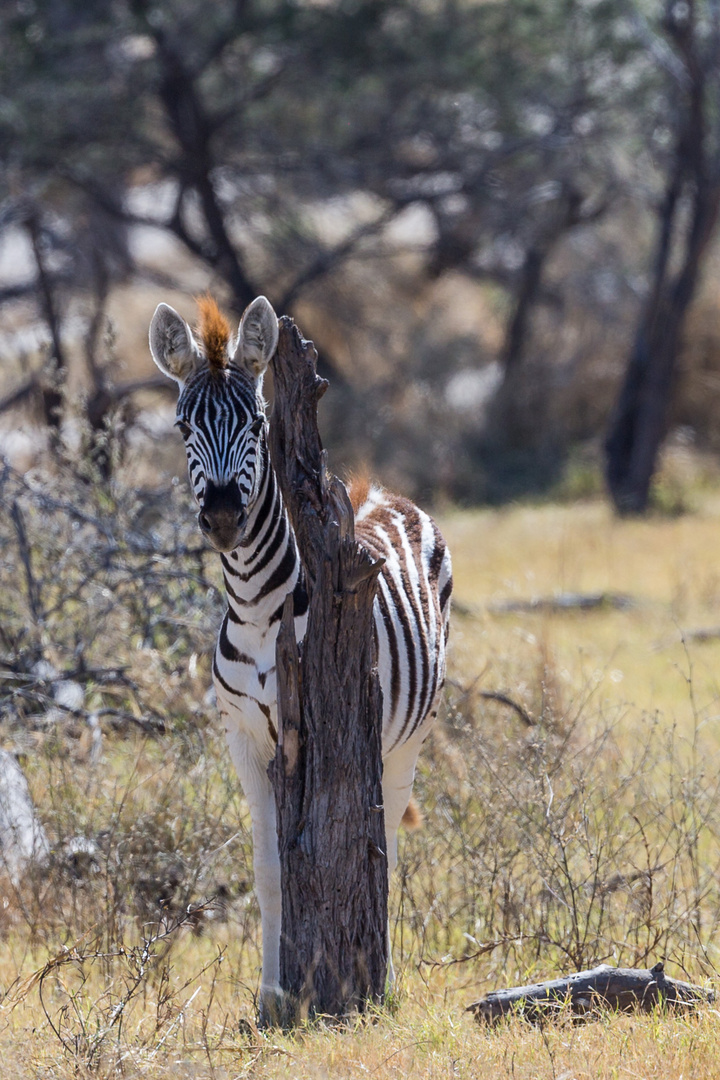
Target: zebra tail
[{"x": 412, "y": 819}]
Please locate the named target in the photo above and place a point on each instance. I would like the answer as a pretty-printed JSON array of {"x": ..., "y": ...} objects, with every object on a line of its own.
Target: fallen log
[
  {"x": 561, "y": 602},
  {"x": 701, "y": 633},
  {"x": 586, "y": 993}
]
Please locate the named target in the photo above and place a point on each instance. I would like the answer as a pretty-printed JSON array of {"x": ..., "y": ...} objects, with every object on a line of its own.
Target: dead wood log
[
  {"x": 327, "y": 771},
  {"x": 608, "y": 601},
  {"x": 587, "y": 992},
  {"x": 701, "y": 633}
]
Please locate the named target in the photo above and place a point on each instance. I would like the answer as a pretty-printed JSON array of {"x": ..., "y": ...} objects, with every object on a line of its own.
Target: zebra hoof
[{"x": 272, "y": 1008}]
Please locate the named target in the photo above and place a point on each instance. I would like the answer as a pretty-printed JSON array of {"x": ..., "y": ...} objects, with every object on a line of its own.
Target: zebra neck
[{"x": 261, "y": 571}]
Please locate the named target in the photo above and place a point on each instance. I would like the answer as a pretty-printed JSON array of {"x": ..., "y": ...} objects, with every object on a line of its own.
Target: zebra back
[{"x": 412, "y": 606}]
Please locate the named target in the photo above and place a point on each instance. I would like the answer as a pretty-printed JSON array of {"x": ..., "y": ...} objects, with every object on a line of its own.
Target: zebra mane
[{"x": 214, "y": 333}]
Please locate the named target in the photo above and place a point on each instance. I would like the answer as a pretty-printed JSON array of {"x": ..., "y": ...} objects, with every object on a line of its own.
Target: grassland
[
  {"x": 591, "y": 834},
  {"x": 639, "y": 658}
]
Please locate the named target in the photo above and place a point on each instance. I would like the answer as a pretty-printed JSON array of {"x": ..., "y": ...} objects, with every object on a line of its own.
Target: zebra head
[{"x": 220, "y": 410}]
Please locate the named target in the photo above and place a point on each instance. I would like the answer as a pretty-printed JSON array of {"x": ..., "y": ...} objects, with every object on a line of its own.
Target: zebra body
[{"x": 221, "y": 416}]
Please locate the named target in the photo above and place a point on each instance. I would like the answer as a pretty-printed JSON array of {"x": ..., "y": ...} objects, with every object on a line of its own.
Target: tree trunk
[
  {"x": 180, "y": 94},
  {"x": 327, "y": 771},
  {"x": 639, "y": 420},
  {"x": 519, "y": 327},
  {"x": 564, "y": 216},
  {"x": 54, "y": 375}
]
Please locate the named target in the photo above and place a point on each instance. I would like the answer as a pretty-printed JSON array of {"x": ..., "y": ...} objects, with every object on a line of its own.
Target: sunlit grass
[
  {"x": 197, "y": 1035},
  {"x": 525, "y": 828},
  {"x": 643, "y": 657}
]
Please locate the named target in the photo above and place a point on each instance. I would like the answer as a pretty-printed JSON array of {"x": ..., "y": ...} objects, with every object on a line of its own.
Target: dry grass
[
  {"x": 430, "y": 1037},
  {"x": 669, "y": 568},
  {"x": 593, "y": 835}
]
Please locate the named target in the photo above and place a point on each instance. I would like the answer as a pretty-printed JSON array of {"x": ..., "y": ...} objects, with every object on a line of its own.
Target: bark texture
[
  {"x": 327, "y": 771},
  {"x": 686, "y": 223},
  {"x": 620, "y": 989}
]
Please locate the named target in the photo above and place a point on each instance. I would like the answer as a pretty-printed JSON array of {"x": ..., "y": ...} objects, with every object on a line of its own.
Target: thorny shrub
[
  {"x": 107, "y": 621},
  {"x": 554, "y": 847}
]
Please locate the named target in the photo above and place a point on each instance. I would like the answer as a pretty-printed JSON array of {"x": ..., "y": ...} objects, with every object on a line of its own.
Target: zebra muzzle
[{"x": 223, "y": 517}]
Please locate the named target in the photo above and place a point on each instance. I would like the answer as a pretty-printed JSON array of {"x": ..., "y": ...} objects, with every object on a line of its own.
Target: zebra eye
[
  {"x": 256, "y": 426},
  {"x": 184, "y": 428}
]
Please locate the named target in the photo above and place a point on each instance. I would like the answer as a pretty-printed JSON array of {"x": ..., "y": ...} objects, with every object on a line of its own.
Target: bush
[{"x": 107, "y": 624}]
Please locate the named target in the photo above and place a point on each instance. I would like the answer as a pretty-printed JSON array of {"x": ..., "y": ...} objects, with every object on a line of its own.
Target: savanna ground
[{"x": 581, "y": 827}]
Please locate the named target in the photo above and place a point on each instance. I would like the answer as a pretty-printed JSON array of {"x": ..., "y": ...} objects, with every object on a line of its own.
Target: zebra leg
[
  {"x": 251, "y": 764},
  {"x": 397, "y": 782}
]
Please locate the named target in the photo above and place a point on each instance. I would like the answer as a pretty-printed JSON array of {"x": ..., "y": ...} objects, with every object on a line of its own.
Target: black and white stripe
[
  {"x": 216, "y": 415},
  {"x": 221, "y": 415},
  {"x": 220, "y": 420}
]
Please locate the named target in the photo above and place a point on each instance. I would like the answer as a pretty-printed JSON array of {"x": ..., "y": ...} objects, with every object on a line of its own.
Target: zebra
[{"x": 221, "y": 415}]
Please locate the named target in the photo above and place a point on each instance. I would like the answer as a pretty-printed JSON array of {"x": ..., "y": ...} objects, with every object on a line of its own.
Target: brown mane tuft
[
  {"x": 358, "y": 490},
  {"x": 214, "y": 333}
]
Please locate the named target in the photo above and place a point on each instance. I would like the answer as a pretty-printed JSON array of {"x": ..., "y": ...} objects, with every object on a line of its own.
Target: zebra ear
[
  {"x": 172, "y": 344},
  {"x": 257, "y": 337}
]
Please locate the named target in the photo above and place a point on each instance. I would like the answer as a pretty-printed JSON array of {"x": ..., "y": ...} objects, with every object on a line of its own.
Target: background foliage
[{"x": 479, "y": 211}]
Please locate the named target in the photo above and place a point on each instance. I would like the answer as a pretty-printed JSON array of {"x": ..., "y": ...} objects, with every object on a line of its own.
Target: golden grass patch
[{"x": 591, "y": 835}]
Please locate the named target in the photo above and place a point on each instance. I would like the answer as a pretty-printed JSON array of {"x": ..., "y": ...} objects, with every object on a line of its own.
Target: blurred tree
[
  {"x": 686, "y": 220},
  {"x": 59, "y": 81},
  {"x": 237, "y": 126},
  {"x": 484, "y": 112},
  {"x": 499, "y": 118}
]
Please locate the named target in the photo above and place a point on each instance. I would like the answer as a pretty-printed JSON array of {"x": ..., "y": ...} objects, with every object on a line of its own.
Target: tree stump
[
  {"x": 586, "y": 992},
  {"x": 327, "y": 771}
]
